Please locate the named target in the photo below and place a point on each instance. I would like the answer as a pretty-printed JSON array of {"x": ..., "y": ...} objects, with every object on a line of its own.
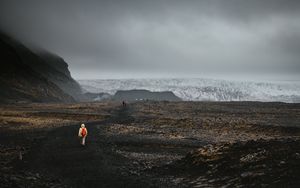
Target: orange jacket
[{"x": 80, "y": 131}]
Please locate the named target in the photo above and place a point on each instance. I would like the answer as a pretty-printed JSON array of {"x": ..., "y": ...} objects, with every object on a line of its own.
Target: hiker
[
  {"x": 124, "y": 104},
  {"x": 82, "y": 134}
]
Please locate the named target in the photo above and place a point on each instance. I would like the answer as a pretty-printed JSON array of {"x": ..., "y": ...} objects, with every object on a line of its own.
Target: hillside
[
  {"x": 30, "y": 77},
  {"x": 56, "y": 70}
]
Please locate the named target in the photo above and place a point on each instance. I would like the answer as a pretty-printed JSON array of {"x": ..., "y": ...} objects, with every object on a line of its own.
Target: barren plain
[{"x": 151, "y": 144}]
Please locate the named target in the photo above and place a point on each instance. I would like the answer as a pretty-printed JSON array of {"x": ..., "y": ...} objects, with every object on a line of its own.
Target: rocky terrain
[
  {"x": 260, "y": 163},
  {"x": 151, "y": 144}
]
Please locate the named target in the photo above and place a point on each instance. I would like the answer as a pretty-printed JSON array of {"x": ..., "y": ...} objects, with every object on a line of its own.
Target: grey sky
[{"x": 115, "y": 39}]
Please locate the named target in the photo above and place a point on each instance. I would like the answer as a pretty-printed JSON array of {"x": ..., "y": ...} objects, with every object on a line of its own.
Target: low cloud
[{"x": 163, "y": 38}]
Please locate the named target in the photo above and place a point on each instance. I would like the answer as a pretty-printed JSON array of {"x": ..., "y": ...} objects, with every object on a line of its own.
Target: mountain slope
[
  {"x": 56, "y": 70},
  {"x": 25, "y": 76}
]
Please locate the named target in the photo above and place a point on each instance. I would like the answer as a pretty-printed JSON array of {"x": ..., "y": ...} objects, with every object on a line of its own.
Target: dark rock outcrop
[
  {"x": 56, "y": 70},
  {"x": 136, "y": 95},
  {"x": 30, "y": 77}
]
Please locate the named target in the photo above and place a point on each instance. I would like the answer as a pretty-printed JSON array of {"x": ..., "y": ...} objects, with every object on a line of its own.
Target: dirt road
[{"x": 61, "y": 156}]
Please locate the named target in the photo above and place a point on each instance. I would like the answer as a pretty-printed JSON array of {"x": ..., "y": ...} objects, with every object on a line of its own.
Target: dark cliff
[
  {"x": 56, "y": 70},
  {"x": 33, "y": 77}
]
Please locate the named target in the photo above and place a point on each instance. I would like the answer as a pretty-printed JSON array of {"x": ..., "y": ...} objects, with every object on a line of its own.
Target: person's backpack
[{"x": 83, "y": 132}]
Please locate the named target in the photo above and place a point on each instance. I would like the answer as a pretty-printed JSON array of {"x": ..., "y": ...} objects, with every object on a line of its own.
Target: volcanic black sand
[
  {"x": 60, "y": 156},
  {"x": 95, "y": 165},
  {"x": 131, "y": 149}
]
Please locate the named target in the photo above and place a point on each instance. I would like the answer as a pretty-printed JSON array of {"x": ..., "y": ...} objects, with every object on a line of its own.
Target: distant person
[
  {"x": 82, "y": 134},
  {"x": 124, "y": 104}
]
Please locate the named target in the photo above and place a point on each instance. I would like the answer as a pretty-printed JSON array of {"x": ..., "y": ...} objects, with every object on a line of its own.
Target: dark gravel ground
[
  {"x": 58, "y": 160},
  {"x": 60, "y": 157},
  {"x": 145, "y": 159}
]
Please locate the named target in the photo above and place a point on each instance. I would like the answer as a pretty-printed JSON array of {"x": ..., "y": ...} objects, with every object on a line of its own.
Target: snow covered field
[{"x": 198, "y": 89}]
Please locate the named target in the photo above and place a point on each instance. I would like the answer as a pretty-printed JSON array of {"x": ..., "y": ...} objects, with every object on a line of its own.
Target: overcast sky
[{"x": 127, "y": 39}]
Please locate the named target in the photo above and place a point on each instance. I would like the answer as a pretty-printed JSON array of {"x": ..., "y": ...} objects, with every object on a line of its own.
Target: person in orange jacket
[{"x": 82, "y": 134}]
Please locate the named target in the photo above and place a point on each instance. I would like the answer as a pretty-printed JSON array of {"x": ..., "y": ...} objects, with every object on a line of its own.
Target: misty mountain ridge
[
  {"x": 200, "y": 89},
  {"x": 34, "y": 76},
  {"x": 41, "y": 76}
]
